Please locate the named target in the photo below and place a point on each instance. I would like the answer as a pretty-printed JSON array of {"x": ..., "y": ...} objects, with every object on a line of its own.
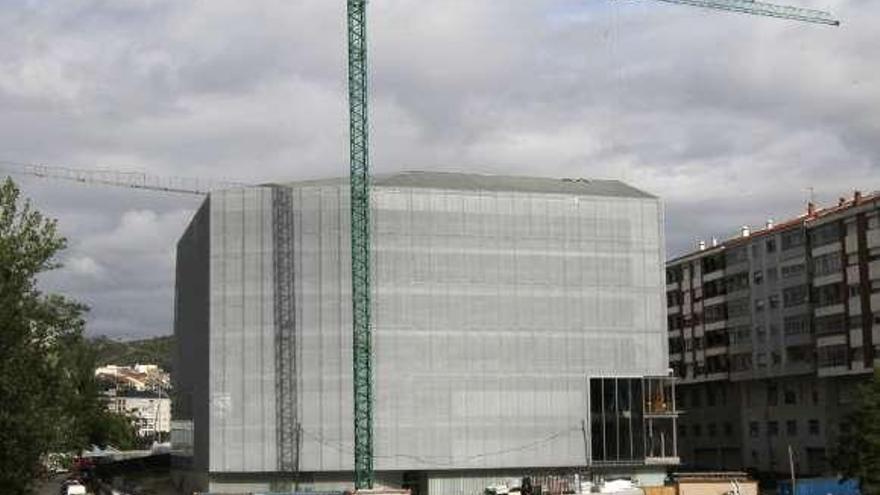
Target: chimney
[
  {"x": 714, "y": 242},
  {"x": 811, "y": 209},
  {"x": 857, "y": 197},
  {"x": 702, "y": 245},
  {"x": 769, "y": 224},
  {"x": 744, "y": 231}
]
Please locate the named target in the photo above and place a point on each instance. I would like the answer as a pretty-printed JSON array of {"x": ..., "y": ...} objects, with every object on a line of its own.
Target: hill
[{"x": 157, "y": 350}]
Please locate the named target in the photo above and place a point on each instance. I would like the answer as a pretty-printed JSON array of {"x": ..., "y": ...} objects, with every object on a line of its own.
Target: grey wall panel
[
  {"x": 192, "y": 331},
  {"x": 489, "y": 310},
  {"x": 242, "y": 379},
  {"x": 323, "y": 291}
]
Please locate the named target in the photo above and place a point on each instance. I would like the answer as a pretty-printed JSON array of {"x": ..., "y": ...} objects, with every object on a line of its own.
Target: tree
[
  {"x": 43, "y": 368},
  {"x": 858, "y": 451}
]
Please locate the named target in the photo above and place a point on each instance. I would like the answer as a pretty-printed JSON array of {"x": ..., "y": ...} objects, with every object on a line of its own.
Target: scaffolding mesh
[{"x": 490, "y": 310}]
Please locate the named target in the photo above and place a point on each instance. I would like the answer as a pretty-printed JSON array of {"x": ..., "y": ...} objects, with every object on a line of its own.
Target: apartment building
[
  {"x": 770, "y": 334},
  {"x": 149, "y": 411}
]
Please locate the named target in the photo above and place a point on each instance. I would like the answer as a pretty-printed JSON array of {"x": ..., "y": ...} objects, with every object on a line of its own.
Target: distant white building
[
  {"x": 150, "y": 411},
  {"x": 139, "y": 377}
]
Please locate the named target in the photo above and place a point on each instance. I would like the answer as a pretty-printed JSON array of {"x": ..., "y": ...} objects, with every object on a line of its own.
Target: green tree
[
  {"x": 42, "y": 357},
  {"x": 88, "y": 422},
  {"x": 858, "y": 451}
]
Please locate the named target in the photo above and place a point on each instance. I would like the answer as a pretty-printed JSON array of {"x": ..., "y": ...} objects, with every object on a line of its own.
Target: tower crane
[
  {"x": 360, "y": 203},
  {"x": 117, "y": 178}
]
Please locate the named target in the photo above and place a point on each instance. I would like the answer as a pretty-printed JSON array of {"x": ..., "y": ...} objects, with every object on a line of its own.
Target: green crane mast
[
  {"x": 360, "y": 204},
  {"x": 360, "y": 243}
]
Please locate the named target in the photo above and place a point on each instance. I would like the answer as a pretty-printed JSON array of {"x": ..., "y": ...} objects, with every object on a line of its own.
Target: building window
[
  {"x": 738, "y": 307},
  {"x": 773, "y": 300},
  {"x": 815, "y": 396},
  {"x": 772, "y": 428},
  {"x": 696, "y": 398},
  {"x": 831, "y": 324},
  {"x": 828, "y": 295},
  {"x": 738, "y": 281},
  {"x": 799, "y": 354},
  {"x": 827, "y": 264},
  {"x": 728, "y": 429},
  {"x": 760, "y": 333},
  {"x": 789, "y": 396},
  {"x": 791, "y": 427},
  {"x": 758, "y": 277},
  {"x": 698, "y": 430},
  {"x": 712, "y": 263},
  {"x": 796, "y": 325},
  {"x": 740, "y": 335},
  {"x": 791, "y": 271},
  {"x": 740, "y": 362},
  {"x": 715, "y": 313},
  {"x": 761, "y": 359},
  {"x": 713, "y": 430},
  {"x": 771, "y": 245},
  {"x": 759, "y": 305},
  {"x": 814, "y": 426},
  {"x": 794, "y": 296},
  {"x": 754, "y": 429},
  {"x": 736, "y": 255},
  {"x": 825, "y": 234},
  {"x": 792, "y": 239},
  {"x": 682, "y": 431},
  {"x": 833, "y": 355},
  {"x": 772, "y": 395}
]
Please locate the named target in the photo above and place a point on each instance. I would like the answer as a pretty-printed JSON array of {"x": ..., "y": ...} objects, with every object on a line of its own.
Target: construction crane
[
  {"x": 117, "y": 178},
  {"x": 360, "y": 203}
]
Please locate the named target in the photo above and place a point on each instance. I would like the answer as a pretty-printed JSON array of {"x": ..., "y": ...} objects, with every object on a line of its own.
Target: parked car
[{"x": 73, "y": 487}]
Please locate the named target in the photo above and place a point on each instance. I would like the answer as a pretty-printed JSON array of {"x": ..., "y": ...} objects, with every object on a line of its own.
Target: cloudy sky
[{"x": 729, "y": 118}]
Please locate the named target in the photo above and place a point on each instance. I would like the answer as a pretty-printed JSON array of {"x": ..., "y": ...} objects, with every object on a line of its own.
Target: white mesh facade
[
  {"x": 242, "y": 433},
  {"x": 491, "y": 306}
]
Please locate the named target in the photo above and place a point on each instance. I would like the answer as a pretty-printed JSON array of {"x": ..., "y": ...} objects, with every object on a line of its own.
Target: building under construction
[{"x": 518, "y": 330}]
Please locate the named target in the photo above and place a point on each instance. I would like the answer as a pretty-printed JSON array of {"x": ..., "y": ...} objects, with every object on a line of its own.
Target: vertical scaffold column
[
  {"x": 360, "y": 243},
  {"x": 285, "y": 337}
]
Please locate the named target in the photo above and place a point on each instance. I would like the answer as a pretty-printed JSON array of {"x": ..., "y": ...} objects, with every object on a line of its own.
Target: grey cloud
[{"x": 727, "y": 117}]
